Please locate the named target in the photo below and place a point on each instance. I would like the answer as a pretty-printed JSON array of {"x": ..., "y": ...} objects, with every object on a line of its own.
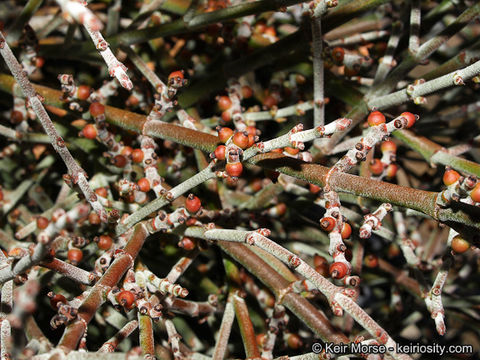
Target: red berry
[
  {"x": 346, "y": 230},
  {"x": 55, "y": 299},
  {"x": 338, "y": 54},
  {"x": 119, "y": 161},
  {"x": 247, "y": 92},
  {"x": 42, "y": 222},
  {"x": 371, "y": 261},
  {"x": 83, "y": 92},
  {"x": 16, "y": 117},
  {"x": 314, "y": 189},
  {"x": 241, "y": 139},
  {"x": 327, "y": 223},
  {"x": 269, "y": 101},
  {"x": 137, "y": 155},
  {"x": 193, "y": 203},
  {"x": 101, "y": 192},
  {"x": 391, "y": 170},
  {"x": 410, "y": 118},
  {"x": 234, "y": 169},
  {"x": 251, "y": 140},
  {"x": 187, "y": 243},
  {"x": 450, "y": 177},
  {"x": 338, "y": 270},
  {"x": 75, "y": 255},
  {"x": 226, "y": 116},
  {"x": 93, "y": 218},
  {"x": 104, "y": 242},
  {"x": 39, "y": 61},
  {"x": 319, "y": 260},
  {"x": 375, "y": 118},
  {"x": 224, "y": 103},
  {"x": 460, "y": 245},
  {"x": 96, "y": 109},
  {"x": 388, "y": 146},
  {"x": 126, "y": 299},
  {"x": 144, "y": 184},
  {"x": 475, "y": 193},
  {"x": 126, "y": 151},
  {"x": 220, "y": 152},
  {"x": 175, "y": 76},
  {"x": 224, "y": 134},
  {"x": 89, "y": 131},
  {"x": 376, "y": 167}
]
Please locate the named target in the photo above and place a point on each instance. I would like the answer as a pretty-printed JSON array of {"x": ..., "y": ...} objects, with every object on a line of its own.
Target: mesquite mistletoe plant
[{"x": 239, "y": 179}]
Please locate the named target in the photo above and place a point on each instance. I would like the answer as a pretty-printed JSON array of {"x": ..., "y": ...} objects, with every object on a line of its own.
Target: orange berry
[
  {"x": 39, "y": 61},
  {"x": 42, "y": 222},
  {"x": 251, "y": 140},
  {"x": 291, "y": 151},
  {"x": 346, "y": 230},
  {"x": 144, "y": 184},
  {"x": 391, "y": 170},
  {"x": 96, "y": 109},
  {"x": 89, "y": 131},
  {"x": 234, "y": 169},
  {"x": 410, "y": 118},
  {"x": 83, "y": 92},
  {"x": 270, "y": 30},
  {"x": 193, "y": 203},
  {"x": 376, "y": 118},
  {"x": 220, "y": 152},
  {"x": 75, "y": 255},
  {"x": 119, "y": 161},
  {"x": 126, "y": 299},
  {"x": 314, "y": 189},
  {"x": 376, "y": 167},
  {"x": 137, "y": 155},
  {"x": 57, "y": 298},
  {"x": 93, "y": 218},
  {"x": 388, "y": 146},
  {"x": 475, "y": 193},
  {"x": 450, "y": 177},
  {"x": 247, "y": 92},
  {"x": 101, "y": 192},
  {"x": 224, "y": 134},
  {"x": 176, "y": 75},
  {"x": 226, "y": 116},
  {"x": 104, "y": 242},
  {"x": 294, "y": 341},
  {"x": 327, "y": 223},
  {"x": 126, "y": 151},
  {"x": 338, "y": 270},
  {"x": 241, "y": 139},
  {"x": 338, "y": 54},
  {"x": 460, "y": 245},
  {"x": 371, "y": 261},
  {"x": 224, "y": 103}
]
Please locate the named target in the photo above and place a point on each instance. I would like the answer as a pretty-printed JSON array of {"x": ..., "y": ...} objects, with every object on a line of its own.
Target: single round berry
[
  {"x": 39, "y": 61},
  {"x": 89, "y": 131},
  {"x": 269, "y": 101},
  {"x": 251, "y": 140},
  {"x": 104, "y": 242},
  {"x": 224, "y": 134},
  {"x": 226, "y": 116},
  {"x": 371, "y": 261},
  {"x": 338, "y": 54},
  {"x": 460, "y": 245},
  {"x": 376, "y": 167},
  {"x": 247, "y": 92},
  {"x": 144, "y": 184},
  {"x": 83, "y": 92},
  {"x": 234, "y": 169},
  {"x": 102, "y": 191},
  {"x": 410, "y": 118},
  {"x": 391, "y": 170},
  {"x": 126, "y": 299},
  {"x": 294, "y": 341},
  {"x": 338, "y": 270},
  {"x": 193, "y": 203},
  {"x": 137, "y": 155},
  {"x": 450, "y": 177},
  {"x": 220, "y": 152},
  {"x": 319, "y": 260},
  {"x": 94, "y": 219},
  {"x": 314, "y": 189},
  {"x": 126, "y": 151},
  {"x": 241, "y": 139},
  {"x": 327, "y": 223},
  {"x": 119, "y": 161},
  {"x": 346, "y": 230},
  {"x": 475, "y": 193},
  {"x": 187, "y": 243},
  {"x": 16, "y": 117},
  {"x": 376, "y": 118},
  {"x": 57, "y": 298},
  {"x": 42, "y": 222},
  {"x": 175, "y": 76},
  {"x": 224, "y": 103},
  {"x": 388, "y": 146},
  {"x": 96, "y": 109},
  {"x": 75, "y": 255}
]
